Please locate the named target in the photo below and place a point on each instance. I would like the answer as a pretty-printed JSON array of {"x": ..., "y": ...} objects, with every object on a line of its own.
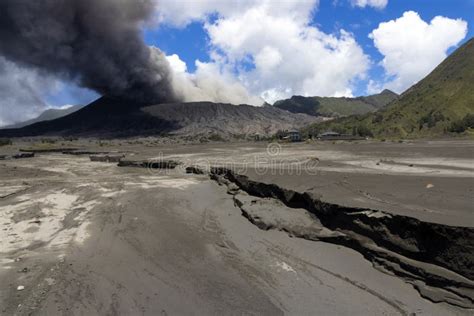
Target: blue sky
[
  {"x": 191, "y": 41},
  {"x": 362, "y": 21}
]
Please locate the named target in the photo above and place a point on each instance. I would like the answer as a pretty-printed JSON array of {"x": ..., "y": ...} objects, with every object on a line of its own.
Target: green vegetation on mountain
[
  {"x": 463, "y": 125},
  {"x": 442, "y": 103},
  {"x": 336, "y": 107}
]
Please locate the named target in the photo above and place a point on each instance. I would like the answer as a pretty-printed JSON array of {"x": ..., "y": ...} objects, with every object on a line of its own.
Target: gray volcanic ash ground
[{"x": 90, "y": 237}]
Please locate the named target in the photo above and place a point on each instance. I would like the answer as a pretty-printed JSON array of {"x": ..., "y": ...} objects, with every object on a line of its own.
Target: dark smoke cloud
[{"x": 97, "y": 43}]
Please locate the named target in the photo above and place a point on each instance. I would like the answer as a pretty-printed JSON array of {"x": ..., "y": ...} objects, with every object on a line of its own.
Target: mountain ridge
[
  {"x": 430, "y": 108},
  {"x": 112, "y": 117},
  {"x": 46, "y": 115},
  {"x": 336, "y": 107}
]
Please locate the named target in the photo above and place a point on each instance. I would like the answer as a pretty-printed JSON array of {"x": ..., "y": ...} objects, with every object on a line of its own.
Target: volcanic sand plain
[{"x": 82, "y": 237}]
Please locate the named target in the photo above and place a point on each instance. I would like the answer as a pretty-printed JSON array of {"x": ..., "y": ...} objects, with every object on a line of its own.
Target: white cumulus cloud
[
  {"x": 378, "y": 4},
  {"x": 412, "y": 48},
  {"x": 271, "y": 48},
  {"x": 181, "y": 12}
]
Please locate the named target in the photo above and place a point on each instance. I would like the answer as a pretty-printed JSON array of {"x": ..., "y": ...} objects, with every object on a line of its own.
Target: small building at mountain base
[{"x": 294, "y": 136}]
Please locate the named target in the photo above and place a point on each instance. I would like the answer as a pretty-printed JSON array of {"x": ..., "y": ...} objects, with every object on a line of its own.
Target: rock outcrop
[{"x": 438, "y": 260}]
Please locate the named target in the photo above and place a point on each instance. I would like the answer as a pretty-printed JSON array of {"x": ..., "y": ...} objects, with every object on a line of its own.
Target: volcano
[
  {"x": 115, "y": 117},
  {"x": 106, "y": 116}
]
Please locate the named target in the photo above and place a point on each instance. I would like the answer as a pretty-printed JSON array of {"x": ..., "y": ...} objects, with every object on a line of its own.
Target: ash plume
[{"x": 96, "y": 43}]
